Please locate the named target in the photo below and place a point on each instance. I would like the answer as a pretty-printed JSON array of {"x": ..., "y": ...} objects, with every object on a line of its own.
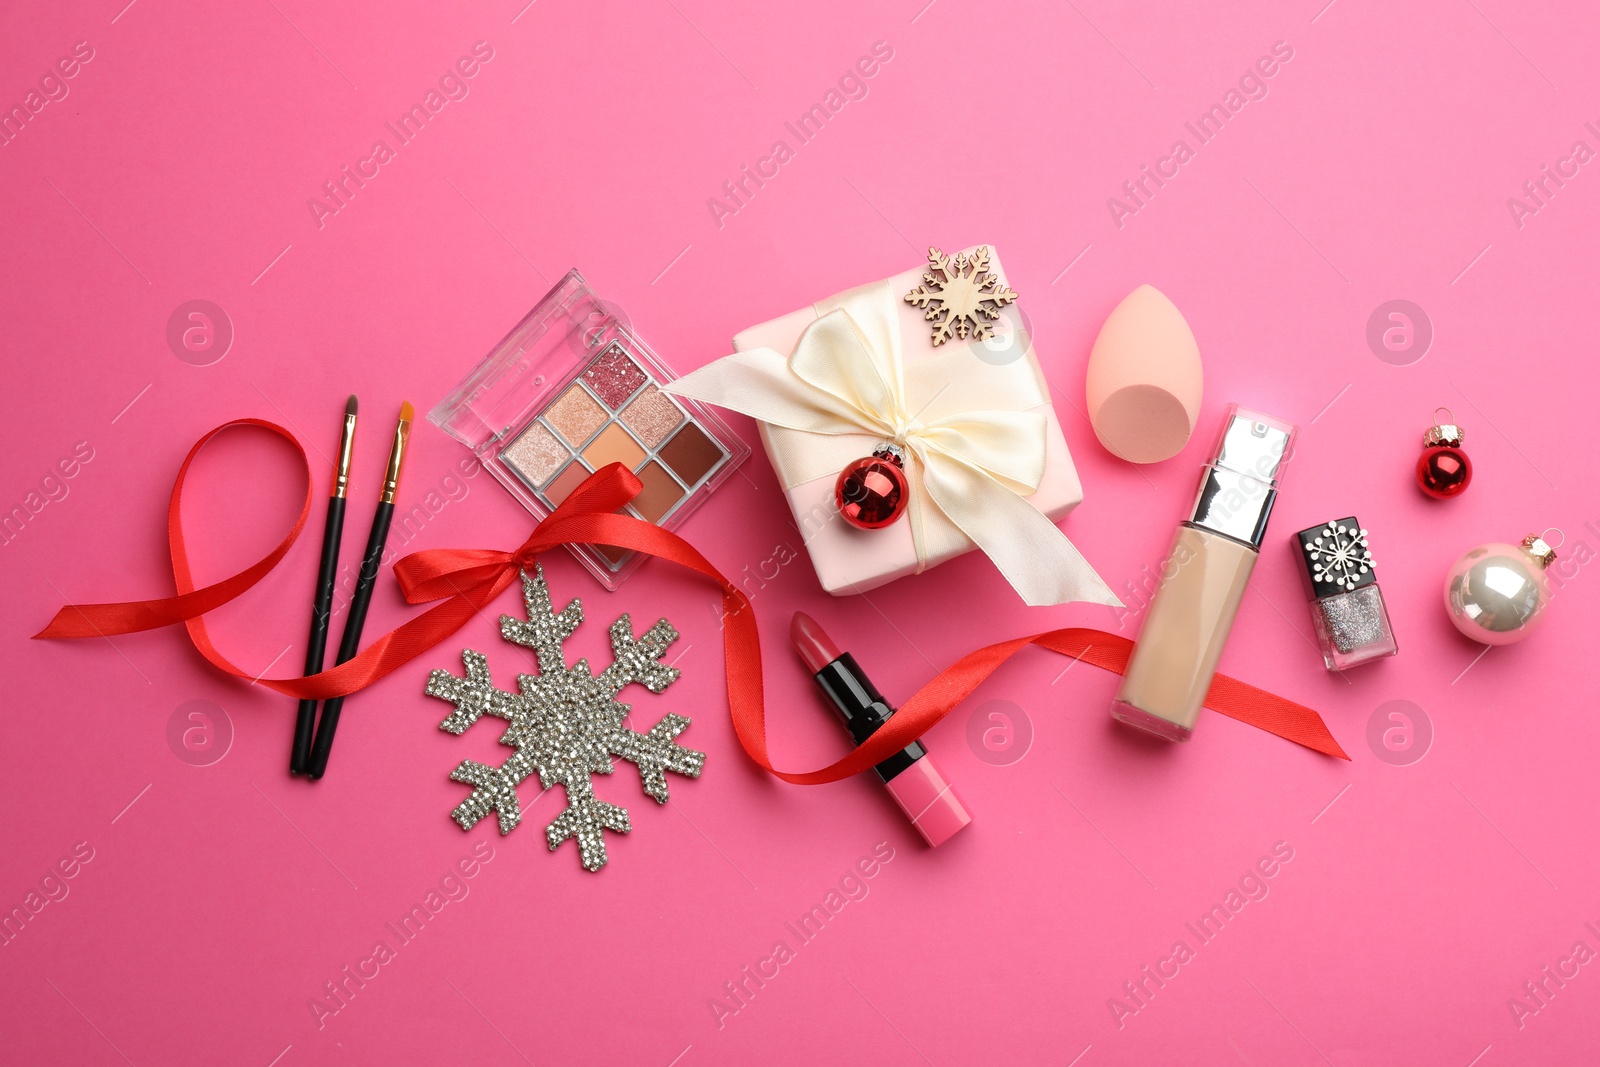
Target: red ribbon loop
[{"x": 465, "y": 581}]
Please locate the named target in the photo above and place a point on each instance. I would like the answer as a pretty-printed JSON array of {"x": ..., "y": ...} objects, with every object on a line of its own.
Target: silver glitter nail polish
[{"x": 1347, "y": 607}]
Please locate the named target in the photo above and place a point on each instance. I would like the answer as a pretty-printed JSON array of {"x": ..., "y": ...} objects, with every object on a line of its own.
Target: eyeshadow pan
[
  {"x": 614, "y": 555},
  {"x": 575, "y": 415},
  {"x": 565, "y": 483},
  {"x": 661, "y": 492},
  {"x": 613, "y": 376},
  {"x": 614, "y": 445},
  {"x": 535, "y": 454},
  {"x": 652, "y": 416},
  {"x": 692, "y": 454}
]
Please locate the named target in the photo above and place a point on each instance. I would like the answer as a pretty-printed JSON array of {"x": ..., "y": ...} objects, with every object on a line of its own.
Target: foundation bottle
[{"x": 1204, "y": 578}]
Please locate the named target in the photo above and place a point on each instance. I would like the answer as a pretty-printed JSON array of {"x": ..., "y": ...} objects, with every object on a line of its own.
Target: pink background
[{"x": 220, "y": 898}]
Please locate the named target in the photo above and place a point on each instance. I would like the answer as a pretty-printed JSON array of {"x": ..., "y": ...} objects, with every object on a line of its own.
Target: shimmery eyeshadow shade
[
  {"x": 535, "y": 454},
  {"x": 652, "y": 416},
  {"x": 614, "y": 445},
  {"x": 565, "y": 483},
  {"x": 575, "y": 415},
  {"x": 614, "y": 377},
  {"x": 692, "y": 454},
  {"x": 659, "y": 494}
]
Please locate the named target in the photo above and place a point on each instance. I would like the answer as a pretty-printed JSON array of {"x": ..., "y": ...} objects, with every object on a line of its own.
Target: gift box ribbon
[
  {"x": 467, "y": 580},
  {"x": 974, "y": 441}
]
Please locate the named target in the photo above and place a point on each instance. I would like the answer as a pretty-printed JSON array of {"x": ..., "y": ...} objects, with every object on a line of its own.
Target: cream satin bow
[{"x": 974, "y": 449}]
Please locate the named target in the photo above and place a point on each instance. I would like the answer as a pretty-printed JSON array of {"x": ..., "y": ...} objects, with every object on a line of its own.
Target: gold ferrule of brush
[
  {"x": 341, "y": 470},
  {"x": 397, "y": 455}
]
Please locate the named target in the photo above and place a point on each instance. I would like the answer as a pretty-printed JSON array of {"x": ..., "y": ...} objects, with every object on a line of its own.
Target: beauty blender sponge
[{"x": 1144, "y": 379}]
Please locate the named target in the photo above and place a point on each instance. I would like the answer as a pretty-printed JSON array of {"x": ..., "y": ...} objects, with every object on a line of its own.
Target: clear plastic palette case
[{"x": 573, "y": 388}]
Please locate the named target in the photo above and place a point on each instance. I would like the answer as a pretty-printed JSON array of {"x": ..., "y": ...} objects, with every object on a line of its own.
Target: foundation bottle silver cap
[{"x": 1239, "y": 486}]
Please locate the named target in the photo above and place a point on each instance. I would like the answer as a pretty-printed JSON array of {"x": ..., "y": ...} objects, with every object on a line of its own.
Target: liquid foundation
[{"x": 1204, "y": 578}]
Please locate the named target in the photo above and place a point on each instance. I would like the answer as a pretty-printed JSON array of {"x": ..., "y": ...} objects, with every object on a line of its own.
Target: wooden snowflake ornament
[{"x": 960, "y": 295}]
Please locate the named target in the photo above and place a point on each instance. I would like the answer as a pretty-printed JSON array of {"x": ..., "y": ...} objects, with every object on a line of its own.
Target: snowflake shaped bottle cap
[{"x": 1335, "y": 558}]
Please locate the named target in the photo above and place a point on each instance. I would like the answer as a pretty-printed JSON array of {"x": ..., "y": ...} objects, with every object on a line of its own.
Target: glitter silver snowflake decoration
[
  {"x": 1339, "y": 555},
  {"x": 960, "y": 295},
  {"x": 565, "y": 723}
]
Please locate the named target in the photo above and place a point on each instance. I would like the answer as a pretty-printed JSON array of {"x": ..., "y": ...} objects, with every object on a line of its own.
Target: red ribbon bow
[{"x": 468, "y": 580}]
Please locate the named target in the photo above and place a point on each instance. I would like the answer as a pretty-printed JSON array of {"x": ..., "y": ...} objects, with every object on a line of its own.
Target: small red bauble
[
  {"x": 1443, "y": 469},
  {"x": 872, "y": 492}
]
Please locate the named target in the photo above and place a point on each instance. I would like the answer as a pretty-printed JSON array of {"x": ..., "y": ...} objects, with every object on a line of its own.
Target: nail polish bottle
[{"x": 1347, "y": 607}]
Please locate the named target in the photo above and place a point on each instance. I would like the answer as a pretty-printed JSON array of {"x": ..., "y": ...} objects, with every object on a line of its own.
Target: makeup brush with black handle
[
  {"x": 350, "y": 644},
  {"x": 305, "y": 722}
]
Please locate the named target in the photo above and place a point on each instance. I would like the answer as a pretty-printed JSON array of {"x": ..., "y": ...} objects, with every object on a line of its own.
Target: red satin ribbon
[{"x": 467, "y": 580}]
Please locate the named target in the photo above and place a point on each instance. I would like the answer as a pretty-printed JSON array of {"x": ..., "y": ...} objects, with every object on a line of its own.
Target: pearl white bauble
[{"x": 1496, "y": 593}]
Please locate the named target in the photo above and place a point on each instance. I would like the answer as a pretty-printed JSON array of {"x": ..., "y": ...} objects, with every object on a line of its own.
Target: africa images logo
[
  {"x": 453, "y": 85},
  {"x": 1138, "y": 191}
]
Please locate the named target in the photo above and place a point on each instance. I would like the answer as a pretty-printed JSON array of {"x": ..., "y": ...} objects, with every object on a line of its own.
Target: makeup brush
[
  {"x": 322, "y": 600},
  {"x": 351, "y": 642}
]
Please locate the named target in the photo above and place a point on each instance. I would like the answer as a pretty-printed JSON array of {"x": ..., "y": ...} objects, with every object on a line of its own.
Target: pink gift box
[{"x": 848, "y": 560}]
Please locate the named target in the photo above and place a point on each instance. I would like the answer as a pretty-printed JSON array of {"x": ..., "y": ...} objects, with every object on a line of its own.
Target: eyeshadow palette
[{"x": 573, "y": 389}]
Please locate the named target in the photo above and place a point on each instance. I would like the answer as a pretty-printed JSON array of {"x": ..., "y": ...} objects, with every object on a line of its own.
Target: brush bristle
[
  {"x": 350, "y": 405},
  {"x": 406, "y": 411}
]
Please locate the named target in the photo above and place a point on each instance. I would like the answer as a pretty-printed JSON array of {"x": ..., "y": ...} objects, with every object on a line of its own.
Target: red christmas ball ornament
[
  {"x": 872, "y": 492},
  {"x": 1443, "y": 470}
]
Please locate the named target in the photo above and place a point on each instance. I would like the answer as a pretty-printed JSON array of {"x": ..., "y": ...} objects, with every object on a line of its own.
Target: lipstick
[{"x": 913, "y": 781}]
